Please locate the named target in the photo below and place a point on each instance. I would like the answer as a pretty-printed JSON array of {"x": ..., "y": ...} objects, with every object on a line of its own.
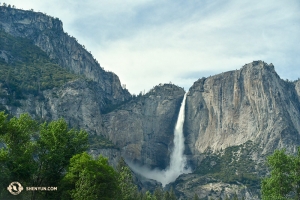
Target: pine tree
[
  {"x": 196, "y": 197},
  {"x": 235, "y": 197},
  {"x": 172, "y": 194},
  {"x": 158, "y": 193},
  {"x": 127, "y": 187}
]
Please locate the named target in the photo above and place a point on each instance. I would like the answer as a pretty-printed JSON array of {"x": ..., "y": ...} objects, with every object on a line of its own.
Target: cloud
[{"x": 150, "y": 42}]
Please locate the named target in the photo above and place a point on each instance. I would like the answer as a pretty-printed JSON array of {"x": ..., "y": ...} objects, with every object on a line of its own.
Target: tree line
[{"x": 51, "y": 154}]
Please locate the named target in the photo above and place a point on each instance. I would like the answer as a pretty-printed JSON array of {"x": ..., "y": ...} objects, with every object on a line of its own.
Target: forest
[{"x": 50, "y": 154}]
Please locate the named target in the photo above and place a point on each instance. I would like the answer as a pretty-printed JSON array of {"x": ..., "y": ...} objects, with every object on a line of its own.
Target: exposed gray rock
[
  {"x": 78, "y": 102},
  {"x": 252, "y": 103},
  {"x": 143, "y": 128},
  {"x": 297, "y": 88},
  {"x": 113, "y": 155},
  {"x": 47, "y": 33},
  {"x": 190, "y": 184},
  {"x": 229, "y": 109}
]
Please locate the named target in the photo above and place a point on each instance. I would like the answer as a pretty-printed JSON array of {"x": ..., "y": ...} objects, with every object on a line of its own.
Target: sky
[{"x": 151, "y": 42}]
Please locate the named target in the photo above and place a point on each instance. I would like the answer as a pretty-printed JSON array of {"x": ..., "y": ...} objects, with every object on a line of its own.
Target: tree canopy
[
  {"x": 52, "y": 154},
  {"x": 36, "y": 154},
  {"x": 284, "y": 180}
]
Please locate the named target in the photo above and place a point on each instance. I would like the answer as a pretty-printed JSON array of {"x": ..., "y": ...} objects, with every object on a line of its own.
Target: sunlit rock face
[{"x": 252, "y": 103}]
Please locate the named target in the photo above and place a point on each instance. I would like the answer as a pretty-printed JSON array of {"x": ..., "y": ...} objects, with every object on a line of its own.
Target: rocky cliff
[
  {"x": 233, "y": 121},
  {"x": 143, "y": 128},
  {"x": 47, "y": 33},
  {"x": 252, "y": 103}
]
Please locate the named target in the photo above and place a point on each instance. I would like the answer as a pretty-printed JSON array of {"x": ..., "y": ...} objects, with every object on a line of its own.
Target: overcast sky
[{"x": 150, "y": 42}]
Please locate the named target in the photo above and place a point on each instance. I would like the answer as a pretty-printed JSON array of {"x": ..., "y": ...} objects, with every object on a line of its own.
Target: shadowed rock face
[
  {"x": 47, "y": 33},
  {"x": 143, "y": 128},
  {"x": 252, "y": 103}
]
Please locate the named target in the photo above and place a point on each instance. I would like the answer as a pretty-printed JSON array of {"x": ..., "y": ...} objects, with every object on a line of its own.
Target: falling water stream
[{"x": 177, "y": 159}]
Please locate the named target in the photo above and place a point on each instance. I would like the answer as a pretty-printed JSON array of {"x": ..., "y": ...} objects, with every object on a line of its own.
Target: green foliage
[
  {"x": 51, "y": 154},
  {"x": 16, "y": 161},
  {"x": 167, "y": 195},
  {"x": 149, "y": 196},
  {"x": 111, "y": 107},
  {"x": 28, "y": 69},
  {"x": 128, "y": 190},
  {"x": 196, "y": 197},
  {"x": 90, "y": 179},
  {"x": 235, "y": 197},
  {"x": 231, "y": 165},
  {"x": 284, "y": 180},
  {"x": 158, "y": 193},
  {"x": 56, "y": 145},
  {"x": 98, "y": 142},
  {"x": 36, "y": 155},
  {"x": 172, "y": 194}
]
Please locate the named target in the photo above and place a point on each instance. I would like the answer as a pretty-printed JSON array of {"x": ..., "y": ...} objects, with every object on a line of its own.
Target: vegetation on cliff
[
  {"x": 231, "y": 165},
  {"x": 25, "y": 68}
]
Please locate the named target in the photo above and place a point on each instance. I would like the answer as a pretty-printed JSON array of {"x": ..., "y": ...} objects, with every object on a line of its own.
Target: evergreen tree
[
  {"x": 166, "y": 195},
  {"x": 196, "y": 197},
  {"x": 158, "y": 193},
  {"x": 284, "y": 180},
  {"x": 128, "y": 189},
  {"x": 235, "y": 197},
  {"x": 172, "y": 194}
]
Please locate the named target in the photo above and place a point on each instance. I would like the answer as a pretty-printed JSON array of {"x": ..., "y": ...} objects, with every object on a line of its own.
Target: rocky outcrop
[
  {"x": 47, "y": 33},
  {"x": 189, "y": 185},
  {"x": 252, "y": 103},
  {"x": 297, "y": 88},
  {"x": 232, "y": 110},
  {"x": 78, "y": 102},
  {"x": 143, "y": 128}
]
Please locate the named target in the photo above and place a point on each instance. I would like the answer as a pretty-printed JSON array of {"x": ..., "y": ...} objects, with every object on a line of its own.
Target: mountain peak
[
  {"x": 259, "y": 64},
  {"x": 47, "y": 33}
]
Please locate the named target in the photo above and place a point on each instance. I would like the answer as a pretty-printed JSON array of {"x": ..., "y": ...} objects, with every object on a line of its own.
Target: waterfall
[{"x": 177, "y": 160}]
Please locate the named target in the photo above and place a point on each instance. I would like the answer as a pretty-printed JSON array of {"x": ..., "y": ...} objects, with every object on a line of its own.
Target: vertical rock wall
[{"x": 252, "y": 103}]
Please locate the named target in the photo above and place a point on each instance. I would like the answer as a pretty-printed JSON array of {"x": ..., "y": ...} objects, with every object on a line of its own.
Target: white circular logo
[{"x": 15, "y": 188}]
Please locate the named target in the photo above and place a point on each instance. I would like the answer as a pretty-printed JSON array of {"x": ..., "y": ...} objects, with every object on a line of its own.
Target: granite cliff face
[
  {"x": 47, "y": 33},
  {"x": 143, "y": 128},
  {"x": 77, "y": 102},
  {"x": 233, "y": 121},
  {"x": 252, "y": 103}
]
